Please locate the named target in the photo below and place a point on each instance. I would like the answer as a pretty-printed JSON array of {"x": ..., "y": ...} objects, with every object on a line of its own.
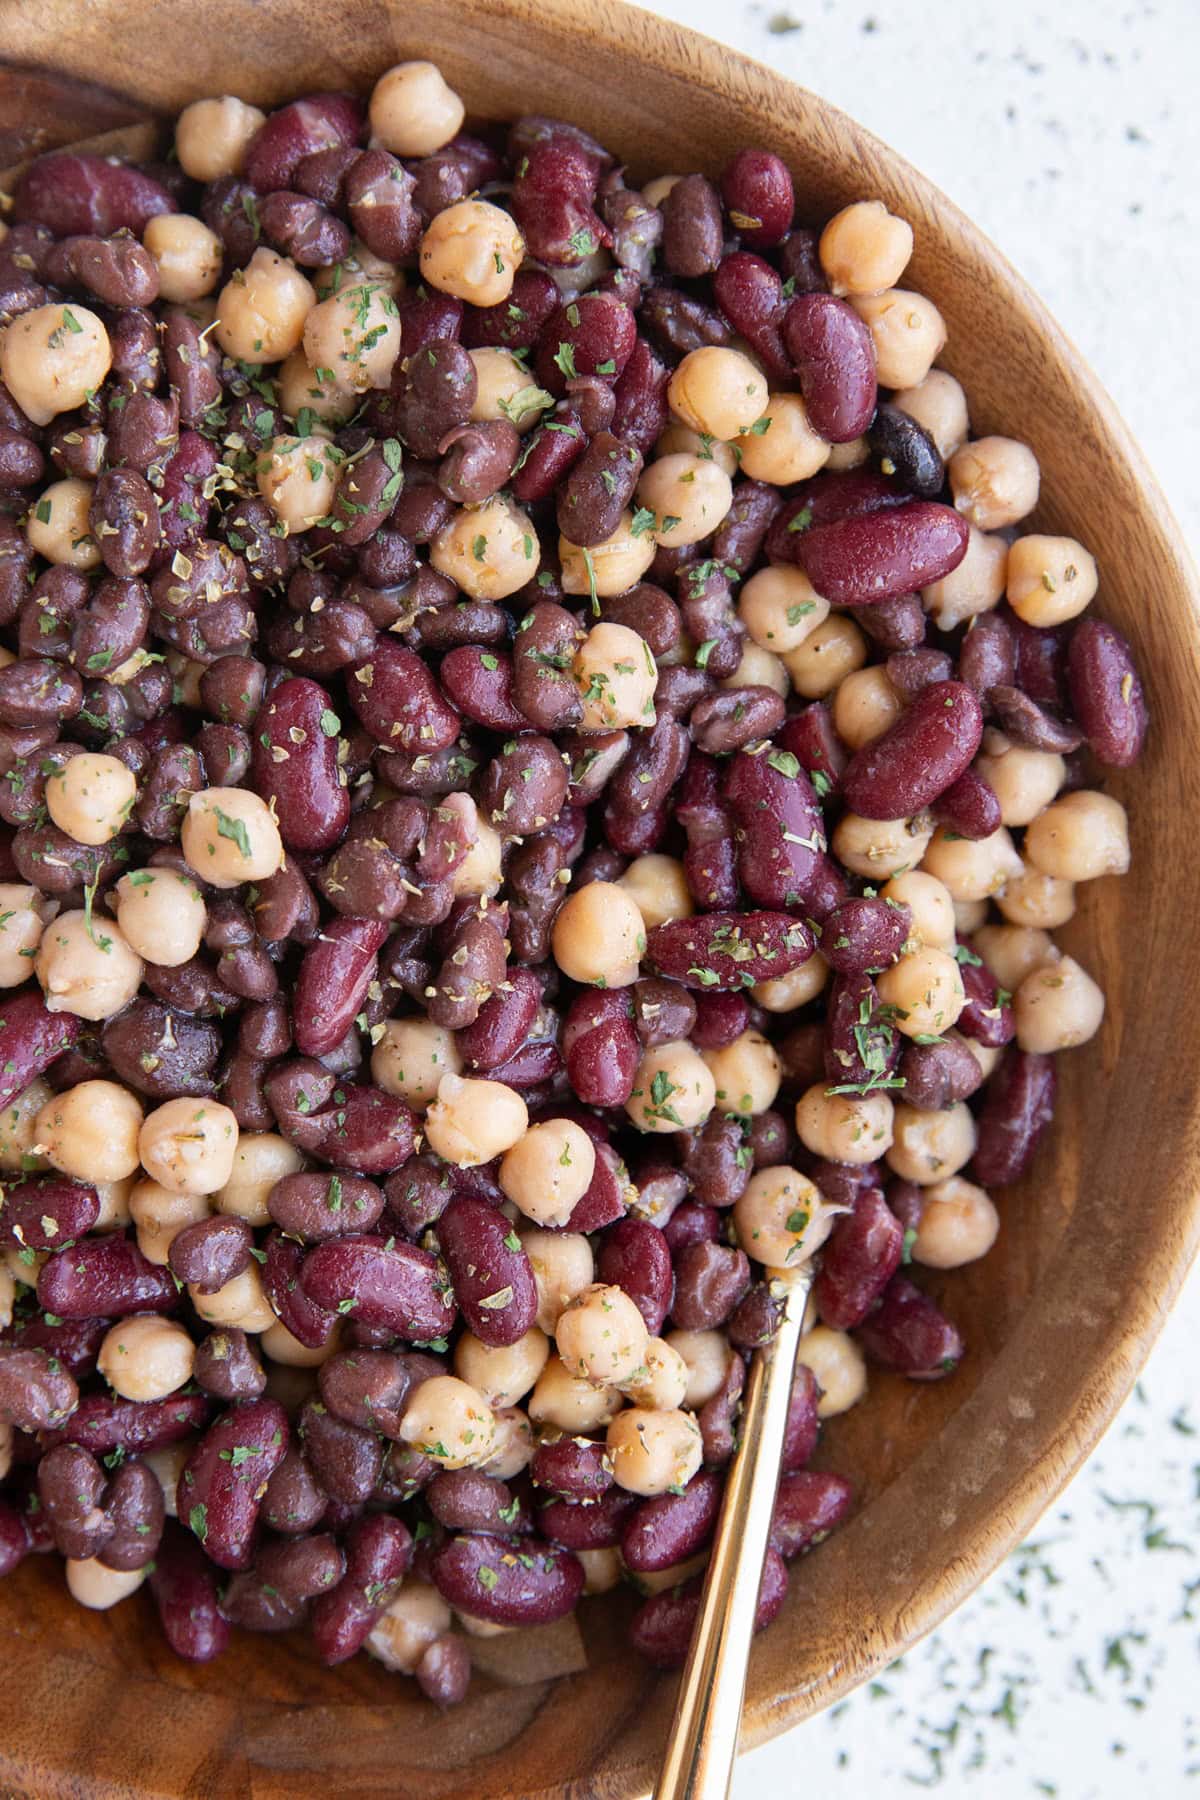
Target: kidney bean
[
  {"x": 185, "y": 1593},
  {"x": 987, "y": 1018},
  {"x": 861, "y": 1046},
  {"x": 864, "y": 935},
  {"x": 693, "y": 229},
  {"x": 294, "y": 765},
  {"x": 939, "y": 1074},
  {"x": 738, "y": 949},
  {"x": 175, "y": 775},
  {"x": 104, "y": 1424},
  {"x": 73, "y": 1343},
  {"x": 76, "y": 195},
  {"x": 478, "y": 1575},
  {"x": 136, "y": 1513},
  {"x": 718, "y": 1417},
  {"x": 636, "y": 803},
  {"x": 219, "y": 1494},
  {"x": 182, "y": 508},
  {"x": 1041, "y": 652},
  {"x": 324, "y": 642},
  {"x": 314, "y": 1206},
  {"x": 106, "y": 1275},
  {"x": 636, "y": 1256},
  {"x": 662, "y": 1627},
  {"x": 803, "y": 1426},
  {"x": 493, "y": 1280},
  {"x": 467, "y": 1500},
  {"x": 378, "y": 1555},
  {"x": 757, "y": 190},
  {"x": 908, "y": 1333},
  {"x": 444, "y": 1671},
  {"x": 293, "y": 1503},
  {"x": 739, "y": 538},
  {"x": 365, "y": 1131},
  {"x": 303, "y": 229},
  {"x": 834, "y": 360},
  {"x": 597, "y": 489},
  {"x": 720, "y": 1018},
  {"x": 987, "y": 654},
  {"x": 809, "y": 1505},
  {"x": 115, "y": 270},
  {"x": 550, "y": 453},
  {"x": 301, "y": 1568},
  {"x": 21, "y": 462},
  {"x": 1030, "y": 724},
  {"x": 552, "y": 196},
  {"x": 1018, "y": 1105},
  {"x": 600, "y": 1046},
  {"x": 345, "y": 1459},
  {"x": 706, "y": 607},
  {"x": 750, "y": 294},
  {"x": 212, "y": 1252},
  {"x": 663, "y": 1012},
  {"x": 334, "y": 976},
  {"x": 918, "y": 757},
  {"x": 572, "y": 1468},
  {"x": 397, "y": 699},
  {"x": 755, "y": 1319},
  {"x": 36, "y": 1393},
  {"x": 381, "y": 197},
  {"x": 670, "y": 1528},
  {"x": 367, "y": 1389},
  {"x": 37, "y": 690},
  {"x": 515, "y": 324},
  {"x": 779, "y": 827},
  {"x": 418, "y": 1194},
  {"x": 433, "y": 394},
  {"x": 740, "y": 716},
  {"x": 503, "y": 1022},
  {"x": 771, "y": 1139},
  {"x": 473, "y": 967},
  {"x": 227, "y": 1367},
  {"x": 322, "y": 175},
  {"x": 640, "y": 398},
  {"x": 400, "y": 1288},
  {"x": 710, "y": 1279},
  {"x": 859, "y": 1259},
  {"x": 1106, "y": 692},
  {"x": 523, "y": 788},
  {"x": 480, "y": 683},
  {"x": 318, "y": 122},
  {"x": 254, "y": 1604},
  {"x": 15, "y": 1539},
  {"x": 44, "y": 1212},
  {"x": 876, "y": 556}
]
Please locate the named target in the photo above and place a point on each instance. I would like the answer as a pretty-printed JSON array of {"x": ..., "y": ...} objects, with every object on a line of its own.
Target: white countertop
[{"x": 1068, "y": 131}]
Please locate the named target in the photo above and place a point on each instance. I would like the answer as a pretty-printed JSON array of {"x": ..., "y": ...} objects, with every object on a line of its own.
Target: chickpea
[
  {"x": 881, "y": 848},
  {"x": 1057, "y": 1007},
  {"x": 850, "y": 455},
  {"x": 502, "y": 1373},
  {"x": 188, "y": 256},
  {"x": 52, "y": 358},
  {"x": 958, "y": 1225},
  {"x": 853, "y": 1128},
  {"x": 784, "y": 993},
  {"x": 759, "y": 668},
  {"x": 928, "y": 900},
  {"x": 22, "y": 1264},
  {"x": 316, "y": 393},
  {"x": 830, "y": 652},
  {"x": 450, "y": 1421},
  {"x": 656, "y": 1581},
  {"x": 658, "y": 888},
  {"x": 94, "y": 1585},
  {"x": 85, "y": 966},
  {"x": 654, "y": 1451},
  {"x": 411, "y": 1057},
  {"x": 747, "y": 1074},
  {"x": 865, "y": 705},
  {"x": 602, "y": 1570},
  {"x": 969, "y": 915},
  {"x": 489, "y": 551},
  {"x": 230, "y": 836},
  {"x": 908, "y": 332},
  {"x": 931, "y": 1146},
  {"x": 167, "y": 1464},
  {"x": 926, "y": 988},
  {"x": 114, "y": 1198},
  {"x": 472, "y": 1121},
  {"x": 241, "y": 1303},
  {"x": 1031, "y": 898},
  {"x": 58, "y": 527},
  {"x": 718, "y": 392},
  {"x": 657, "y": 189},
  {"x": 1011, "y": 951},
  {"x": 972, "y": 868},
  {"x": 780, "y": 608},
  {"x": 976, "y": 586},
  {"x": 472, "y": 250},
  {"x": 8, "y": 1294},
  {"x": 839, "y": 1366},
  {"x": 159, "y": 1216},
  {"x": 188, "y": 1145},
  {"x": 18, "y": 1128},
  {"x": 24, "y": 914},
  {"x": 599, "y": 936},
  {"x": 689, "y": 496},
  {"x": 413, "y": 110},
  {"x": 673, "y": 1089},
  {"x": 91, "y": 797},
  {"x": 1023, "y": 781},
  {"x": 865, "y": 249},
  {"x": 571, "y": 1403},
  {"x": 91, "y": 1130},
  {"x": 1050, "y": 579},
  {"x": 416, "y": 1618},
  {"x": 298, "y": 478},
  {"x": 563, "y": 1265},
  {"x": 782, "y": 1218},
  {"x": 505, "y": 390},
  {"x": 616, "y": 675},
  {"x": 284, "y": 1347},
  {"x": 211, "y": 136},
  {"x": 677, "y": 438},
  {"x": 602, "y": 1336},
  {"x": 549, "y": 1170},
  {"x": 986, "y": 1055},
  {"x": 187, "y": 679},
  {"x": 161, "y": 914},
  {"x": 261, "y": 310},
  {"x": 939, "y": 405},
  {"x": 146, "y": 1358},
  {"x": 705, "y": 1357},
  {"x": 781, "y": 446},
  {"x": 995, "y": 482},
  {"x": 479, "y": 872},
  {"x": 260, "y": 1159},
  {"x": 354, "y": 334},
  {"x": 608, "y": 568},
  {"x": 513, "y": 1446},
  {"x": 663, "y": 1380}
]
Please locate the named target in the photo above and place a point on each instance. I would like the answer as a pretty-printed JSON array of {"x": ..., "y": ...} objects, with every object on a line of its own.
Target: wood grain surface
[{"x": 1093, "y": 1246}]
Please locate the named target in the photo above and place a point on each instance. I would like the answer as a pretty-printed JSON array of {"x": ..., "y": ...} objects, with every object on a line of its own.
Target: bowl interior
[{"x": 1093, "y": 1245}]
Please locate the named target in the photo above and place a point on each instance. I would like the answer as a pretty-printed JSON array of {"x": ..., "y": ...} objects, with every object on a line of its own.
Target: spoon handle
[{"x": 703, "y": 1739}]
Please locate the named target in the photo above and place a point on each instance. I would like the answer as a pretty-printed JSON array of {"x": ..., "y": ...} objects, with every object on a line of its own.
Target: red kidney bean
[
  {"x": 729, "y": 950},
  {"x": 106, "y": 1275},
  {"x": 636, "y": 1256},
  {"x": 1041, "y": 666},
  {"x": 601, "y": 1048},
  {"x": 378, "y": 1554},
  {"x": 73, "y": 1343},
  {"x": 669, "y": 1528},
  {"x": 397, "y": 699},
  {"x": 36, "y": 1393},
  {"x": 803, "y": 1425},
  {"x": 467, "y": 1500},
  {"x": 314, "y": 1207},
  {"x": 939, "y": 1074},
  {"x": 318, "y": 122},
  {"x": 636, "y": 802},
  {"x": 367, "y": 1389},
  {"x": 750, "y": 294},
  {"x": 334, "y": 976},
  {"x": 809, "y": 1505},
  {"x": 393, "y": 1285},
  {"x": 346, "y": 1459},
  {"x": 523, "y": 789},
  {"x": 444, "y": 1671},
  {"x": 302, "y": 1568},
  {"x": 322, "y": 176},
  {"x": 136, "y": 1511},
  {"x": 503, "y": 1023},
  {"x": 1030, "y": 724},
  {"x": 283, "y": 1261},
  {"x": 78, "y": 195},
  {"x": 834, "y": 360},
  {"x": 474, "y": 964},
  {"x": 1018, "y": 1105},
  {"x": 15, "y": 1541},
  {"x": 860, "y": 560},
  {"x": 365, "y": 1131},
  {"x": 182, "y": 508},
  {"x": 909, "y": 671},
  {"x": 826, "y": 499},
  {"x": 861, "y": 1047},
  {"x": 640, "y": 397},
  {"x": 37, "y": 690},
  {"x": 719, "y": 1019},
  {"x": 227, "y": 1367},
  {"x": 861, "y": 936},
  {"x": 210, "y": 1253},
  {"x": 550, "y": 453},
  {"x": 859, "y": 1259},
  {"x": 185, "y": 1593},
  {"x": 757, "y": 190},
  {"x": 779, "y": 827},
  {"x": 516, "y": 324},
  {"x": 552, "y": 195},
  {"x": 482, "y": 1577},
  {"x": 224, "y": 1478},
  {"x": 968, "y": 807},
  {"x": 710, "y": 1279},
  {"x": 918, "y": 757},
  {"x": 293, "y": 1502},
  {"x": 294, "y": 765},
  {"x": 987, "y": 654},
  {"x": 103, "y": 1424},
  {"x": 605, "y": 1200},
  {"x": 908, "y": 1333},
  {"x": 716, "y": 1162},
  {"x": 493, "y": 1281},
  {"x": 663, "y": 1012},
  {"x": 1106, "y": 693},
  {"x": 907, "y": 452},
  {"x": 662, "y": 1627},
  {"x": 693, "y": 229},
  {"x": 43, "y": 1213},
  {"x": 594, "y": 335},
  {"x": 986, "y": 1017},
  {"x": 572, "y": 1468},
  {"x": 756, "y": 1318}
]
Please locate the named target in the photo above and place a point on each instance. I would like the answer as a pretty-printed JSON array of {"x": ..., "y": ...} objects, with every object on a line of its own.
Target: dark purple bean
[
  {"x": 21, "y": 462},
  {"x": 303, "y": 229},
  {"x": 468, "y": 1500},
  {"x": 718, "y": 1417},
  {"x": 1018, "y": 1105},
  {"x": 597, "y": 489},
  {"x": 739, "y": 537},
  {"x": 227, "y": 1367},
  {"x": 636, "y": 1257},
  {"x": 670, "y": 1528},
  {"x": 663, "y": 1012},
  {"x": 731, "y": 720},
  {"x": 1028, "y": 723},
  {"x": 898, "y": 624},
  {"x": 516, "y": 324},
  {"x": 918, "y": 757},
  {"x": 106, "y": 1275},
  {"x": 493, "y": 1280},
  {"x": 115, "y": 270},
  {"x": 433, "y": 394},
  {"x": 322, "y": 174},
  {"x": 76, "y": 195},
  {"x": 523, "y": 788},
  {"x": 399, "y": 1287},
  {"x": 301, "y": 1568},
  {"x": 635, "y": 226},
  {"x": 693, "y": 229},
  {"x": 907, "y": 452},
  {"x": 225, "y": 1476},
  {"x": 294, "y": 765},
  {"x": 572, "y": 1468},
  {"x": 346, "y": 1460},
  {"x": 105, "y": 1424},
  {"x": 834, "y": 360},
  {"x": 730, "y": 950},
  {"x": 968, "y": 807},
  {"x": 987, "y": 1018},
  {"x": 661, "y": 1629},
  {"x": 480, "y": 1576},
  {"x": 877, "y": 556},
  {"x": 1106, "y": 693},
  {"x": 552, "y": 203},
  {"x": 161, "y": 1052},
  {"x": 318, "y": 122},
  {"x": 861, "y": 1046},
  {"x": 136, "y": 1511},
  {"x": 73, "y": 1343},
  {"x": 253, "y": 1604},
  {"x": 779, "y": 825},
  {"x": 710, "y": 1279},
  {"x": 910, "y": 671},
  {"x": 750, "y": 294},
  {"x": 15, "y": 1538},
  {"x": 44, "y": 1212},
  {"x": 379, "y": 196},
  {"x": 864, "y": 935},
  {"x": 503, "y": 1023},
  {"x": 473, "y": 966},
  {"x": 37, "y": 690},
  {"x": 293, "y": 1502},
  {"x": 36, "y": 1392},
  {"x": 367, "y": 1389},
  {"x": 314, "y": 1207},
  {"x": 940, "y": 1074},
  {"x": 809, "y": 1505},
  {"x": 444, "y": 1671},
  {"x": 716, "y": 1162},
  {"x": 378, "y": 1554},
  {"x": 210, "y": 1253},
  {"x": 908, "y": 1333},
  {"x": 859, "y": 1259},
  {"x": 755, "y": 1319},
  {"x": 477, "y": 460},
  {"x": 720, "y": 1018},
  {"x": 601, "y": 1049},
  {"x": 987, "y": 655},
  {"x": 479, "y": 682},
  {"x": 394, "y": 694},
  {"x": 185, "y": 1593},
  {"x": 640, "y": 399}
]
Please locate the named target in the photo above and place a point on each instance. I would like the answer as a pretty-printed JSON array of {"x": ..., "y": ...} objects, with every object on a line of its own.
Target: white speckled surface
[{"x": 1068, "y": 131}]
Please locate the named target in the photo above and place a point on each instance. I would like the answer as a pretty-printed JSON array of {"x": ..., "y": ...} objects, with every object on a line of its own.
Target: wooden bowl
[{"x": 1094, "y": 1246}]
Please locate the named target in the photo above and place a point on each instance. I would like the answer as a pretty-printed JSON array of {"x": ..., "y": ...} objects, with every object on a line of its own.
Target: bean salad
[{"x": 539, "y": 769}]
